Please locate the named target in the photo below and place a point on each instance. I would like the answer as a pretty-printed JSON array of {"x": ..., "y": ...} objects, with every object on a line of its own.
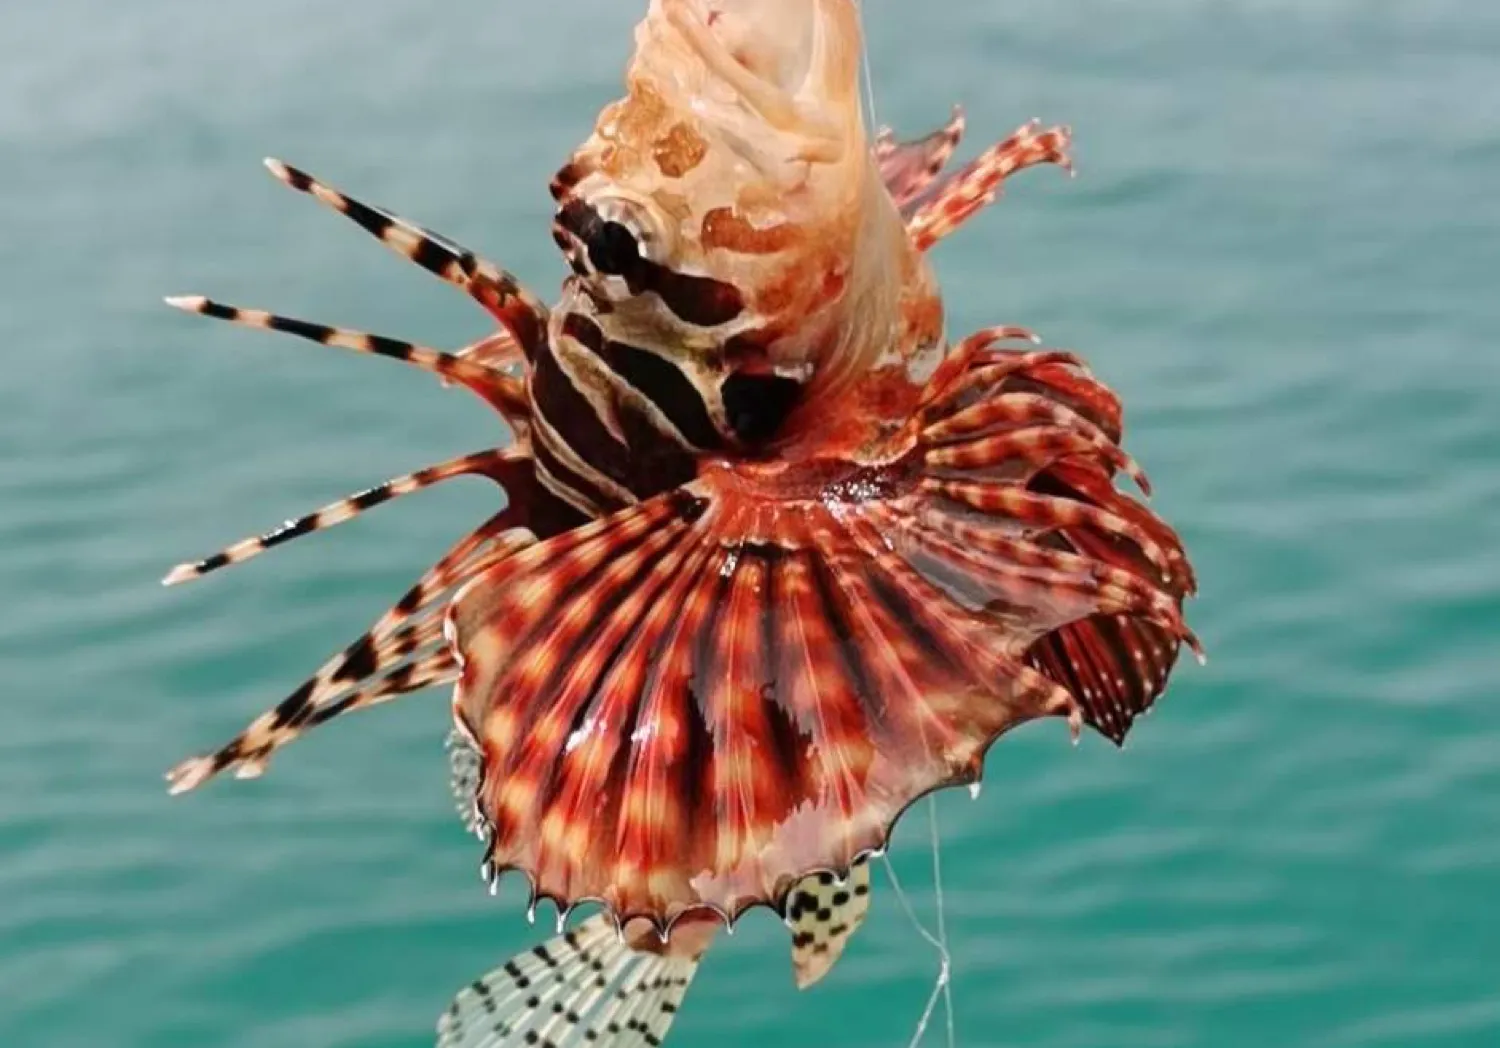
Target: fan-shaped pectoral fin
[{"x": 694, "y": 702}]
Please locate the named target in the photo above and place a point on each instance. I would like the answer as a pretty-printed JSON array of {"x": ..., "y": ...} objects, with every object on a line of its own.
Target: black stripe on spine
[
  {"x": 370, "y": 497},
  {"x": 359, "y": 661},
  {"x": 299, "y": 180},
  {"x": 378, "y": 344},
  {"x": 287, "y": 532},
  {"x": 654, "y": 377},
  {"x": 293, "y": 708},
  {"x": 217, "y": 310},
  {"x": 433, "y": 252}
]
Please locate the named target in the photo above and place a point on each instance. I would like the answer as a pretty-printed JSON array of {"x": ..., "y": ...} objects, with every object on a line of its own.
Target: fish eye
[
  {"x": 613, "y": 249},
  {"x": 611, "y": 240}
]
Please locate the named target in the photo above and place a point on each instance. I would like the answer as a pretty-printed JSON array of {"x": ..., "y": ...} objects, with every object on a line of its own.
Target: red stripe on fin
[
  {"x": 907, "y": 168},
  {"x": 948, "y": 204}
]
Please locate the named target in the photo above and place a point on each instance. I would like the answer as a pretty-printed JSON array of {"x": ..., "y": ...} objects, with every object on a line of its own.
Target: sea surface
[{"x": 1282, "y": 248}]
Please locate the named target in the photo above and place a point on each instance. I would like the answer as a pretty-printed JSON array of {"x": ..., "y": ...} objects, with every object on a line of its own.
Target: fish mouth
[{"x": 794, "y": 62}]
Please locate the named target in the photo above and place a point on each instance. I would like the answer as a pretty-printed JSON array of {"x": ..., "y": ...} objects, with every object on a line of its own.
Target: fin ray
[
  {"x": 494, "y": 463},
  {"x": 523, "y": 314},
  {"x": 404, "y": 651},
  {"x": 586, "y": 986},
  {"x": 908, "y": 168},
  {"x": 505, "y": 393},
  {"x": 947, "y": 204}
]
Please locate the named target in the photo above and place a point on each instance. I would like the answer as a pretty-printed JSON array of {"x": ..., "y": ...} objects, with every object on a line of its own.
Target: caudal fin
[{"x": 587, "y": 986}]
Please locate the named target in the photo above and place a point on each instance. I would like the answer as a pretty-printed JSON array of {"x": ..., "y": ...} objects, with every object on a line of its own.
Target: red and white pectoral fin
[
  {"x": 907, "y": 168},
  {"x": 1116, "y": 665},
  {"x": 946, "y": 204},
  {"x": 694, "y": 702}
]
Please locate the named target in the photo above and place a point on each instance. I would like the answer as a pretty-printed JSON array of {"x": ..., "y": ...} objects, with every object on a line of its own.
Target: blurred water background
[{"x": 1281, "y": 249}]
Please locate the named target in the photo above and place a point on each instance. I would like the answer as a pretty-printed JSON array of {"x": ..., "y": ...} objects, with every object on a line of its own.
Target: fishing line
[
  {"x": 942, "y": 926},
  {"x": 864, "y": 62},
  {"x": 943, "y": 986}
]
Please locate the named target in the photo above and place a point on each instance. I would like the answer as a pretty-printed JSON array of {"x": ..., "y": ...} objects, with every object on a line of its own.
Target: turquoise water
[{"x": 1281, "y": 249}]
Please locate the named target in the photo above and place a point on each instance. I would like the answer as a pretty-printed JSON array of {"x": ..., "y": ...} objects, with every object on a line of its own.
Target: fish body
[{"x": 777, "y": 557}]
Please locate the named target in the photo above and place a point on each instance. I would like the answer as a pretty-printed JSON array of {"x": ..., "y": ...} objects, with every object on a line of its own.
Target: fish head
[{"x": 729, "y": 209}]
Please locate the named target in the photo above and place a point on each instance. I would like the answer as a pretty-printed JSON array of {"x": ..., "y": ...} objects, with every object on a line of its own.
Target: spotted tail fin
[
  {"x": 587, "y": 986},
  {"x": 823, "y": 913}
]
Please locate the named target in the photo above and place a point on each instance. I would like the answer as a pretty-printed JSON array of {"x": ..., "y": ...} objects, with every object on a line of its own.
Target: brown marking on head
[
  {"x": 739, "y": 162},
  {"x": 678, "y": 150},
  {"x": 724, "y": 228}
]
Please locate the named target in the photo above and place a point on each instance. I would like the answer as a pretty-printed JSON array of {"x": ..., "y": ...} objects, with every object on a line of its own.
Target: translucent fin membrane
[
  {"x": 520, "y": 312},
  {"x": 695, "y": 702},
  {"x": 497, "y": 350},
  {"x": 908, "y": 168},
  {"x": 586, "y": 986}
]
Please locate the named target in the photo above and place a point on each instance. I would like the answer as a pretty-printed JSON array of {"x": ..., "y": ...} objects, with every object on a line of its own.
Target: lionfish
[{"x": 776, "y": 559}]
